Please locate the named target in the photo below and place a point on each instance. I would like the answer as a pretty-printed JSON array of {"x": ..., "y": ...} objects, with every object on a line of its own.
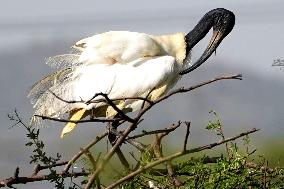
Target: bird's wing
[
  {"x": 118, "y": 81},
  {"x": 64, "y": 61},
  {"x": 117, "y": 46},
  {"x": 108, "y": 48},
  {"x": 40, "y": 87}
]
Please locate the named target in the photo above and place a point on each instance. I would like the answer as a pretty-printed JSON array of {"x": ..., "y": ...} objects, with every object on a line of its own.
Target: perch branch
[
  {"x": 176, "y": 155},
  {"x": 98, "y": 100},
  {"x": 184, "y": 90},
  {"x": 138, "y": 117},
  {"x": 39, "y": 167},
  {"x": 186, "y": 135},
  {"x": 83, "y": 150},
  {"x": 144, "y": 133},
  {"x": 108, "y": 156},
  {"x": 16, "y": 179},
  {"x": 102, "y": 120}
]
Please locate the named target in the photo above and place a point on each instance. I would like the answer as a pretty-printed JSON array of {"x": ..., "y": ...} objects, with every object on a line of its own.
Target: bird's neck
[{"x": 173, "y": 44}]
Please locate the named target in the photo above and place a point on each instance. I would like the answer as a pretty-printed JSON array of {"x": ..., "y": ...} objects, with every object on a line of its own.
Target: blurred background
[{"x": 31, "y": 31}]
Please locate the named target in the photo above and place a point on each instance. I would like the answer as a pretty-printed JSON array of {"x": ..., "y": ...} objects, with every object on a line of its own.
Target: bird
[{"x": 122, "y": 64}]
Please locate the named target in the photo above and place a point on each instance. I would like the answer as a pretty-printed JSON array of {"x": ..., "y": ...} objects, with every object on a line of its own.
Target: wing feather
[
  {"x": 120, "y": 46},
  {"x": 63, "y": 61},
  {"x": 118, "y": 81},
  {"x": 47, "y": 82}
]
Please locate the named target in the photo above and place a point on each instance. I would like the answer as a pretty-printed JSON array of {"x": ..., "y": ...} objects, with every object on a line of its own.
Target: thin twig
[
  {"x": 108, "y": 156},
  {"x": 92, "y": 120},
  {"x": 99, "y": 100},
  {"x": 140, "y": 146},
  {"x": 82, "y": 151},
  {"x": 157, "y": 147},
  {"x": 206, "y": 160},
  {"x": 34, "y": 178},
  {"x": 176, "y": 155},
  {"x": 107, "y": 99},
  {"x": 120, "y": 112},
  {"x": 63, "y": 100},
  {"x": 144, "y": 133},
  {"x": 141, "y": 113},
  {"x": 112, "y": 136},
  {"x": 186, "y": 135},
  {"x": 94, "y": 164},
  {"x": 39, "y": 167},
  {"x": 184, "y": 90},
  {"x": 143, "y": 104}
]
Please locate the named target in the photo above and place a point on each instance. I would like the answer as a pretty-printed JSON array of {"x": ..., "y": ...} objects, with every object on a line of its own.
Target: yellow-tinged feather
[
  {"x": 173, "y": 44},
  {"x": 75, "y": 115},
  {"x": 169, "y": 51},
  {"x": 121, "y": 46}
]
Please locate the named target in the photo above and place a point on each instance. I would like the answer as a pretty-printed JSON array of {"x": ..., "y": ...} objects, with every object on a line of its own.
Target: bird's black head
[{"x": 222, "y": 21}]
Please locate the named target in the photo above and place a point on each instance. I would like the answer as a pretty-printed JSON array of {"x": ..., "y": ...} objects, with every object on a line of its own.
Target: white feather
[
  {"x": 120, "y": 64},
  {"x": 118, "y": 81},
  {"x": 63, "y": 61},
  {"x": 117, "y": 46}
]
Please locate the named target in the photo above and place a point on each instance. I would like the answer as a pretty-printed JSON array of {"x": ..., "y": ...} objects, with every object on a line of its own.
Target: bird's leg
[{"x": 113, "y": 136}]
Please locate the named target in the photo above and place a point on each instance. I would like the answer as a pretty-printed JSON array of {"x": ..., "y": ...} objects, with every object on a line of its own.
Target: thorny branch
[
  {"x": 83, "y": 150},
  {"x": 176, "y": 155},
  {"x": 123, "y": 137},
  {"x": 133, "y": 125},
  {"x": 16, "y": 179}
]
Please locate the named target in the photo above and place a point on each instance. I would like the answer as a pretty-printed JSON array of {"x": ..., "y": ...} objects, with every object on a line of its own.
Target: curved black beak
[{"x": 222, "y": 21}]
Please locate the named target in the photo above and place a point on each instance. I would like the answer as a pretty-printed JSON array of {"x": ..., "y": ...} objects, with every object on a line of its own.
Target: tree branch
[
  {"x": 145, "y": 133},
  {"x": 119, "y": 141},
  {"x": 82, "y": 151},
  {"x": 92, "y": 120},
  {"x": 39, "y": 167},
  {"x": 34, "y": 178},
  {"x": 186, "y": 135},
  {"x": 176, "y": 155}
]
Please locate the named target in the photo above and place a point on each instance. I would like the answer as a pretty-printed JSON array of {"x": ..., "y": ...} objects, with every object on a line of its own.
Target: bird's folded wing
[
  {"x": 134, "y": 79},
  {"x": 120, "y": 47},
  {"x": 108, "y": 48}
]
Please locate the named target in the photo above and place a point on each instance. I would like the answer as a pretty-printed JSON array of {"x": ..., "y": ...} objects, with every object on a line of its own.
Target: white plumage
[
  {"x": 118, "y": 63},
  {"x": 122, "y": 64}
]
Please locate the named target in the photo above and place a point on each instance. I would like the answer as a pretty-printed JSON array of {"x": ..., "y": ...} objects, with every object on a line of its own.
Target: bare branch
[
  {"x": 184, "y": 90},
  {"x": 112, "y": 136},
  {"x": 99, "y": 100},
  {"x": 143, "y": 104},
  {"x": 138, "y": 145},
  {"x": 108, "y": 156},
  {"x": 176, "y": 155},
  {"x": 166, "y": 130},
  {"x": 34, "y": 178},
  {"x": 94, "y": 164},
  {"x": 157, "y": 148},
  {"x": 140, "y": 114},
  {"x": 186, "y": 135},
  {"x": 82, "y": 151},
  {"x": 120, "y": 112},
  {"x": 39, "y": 167},
  {"x": 92, "y": 120},
  {"x": 206, "y": 160}
]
